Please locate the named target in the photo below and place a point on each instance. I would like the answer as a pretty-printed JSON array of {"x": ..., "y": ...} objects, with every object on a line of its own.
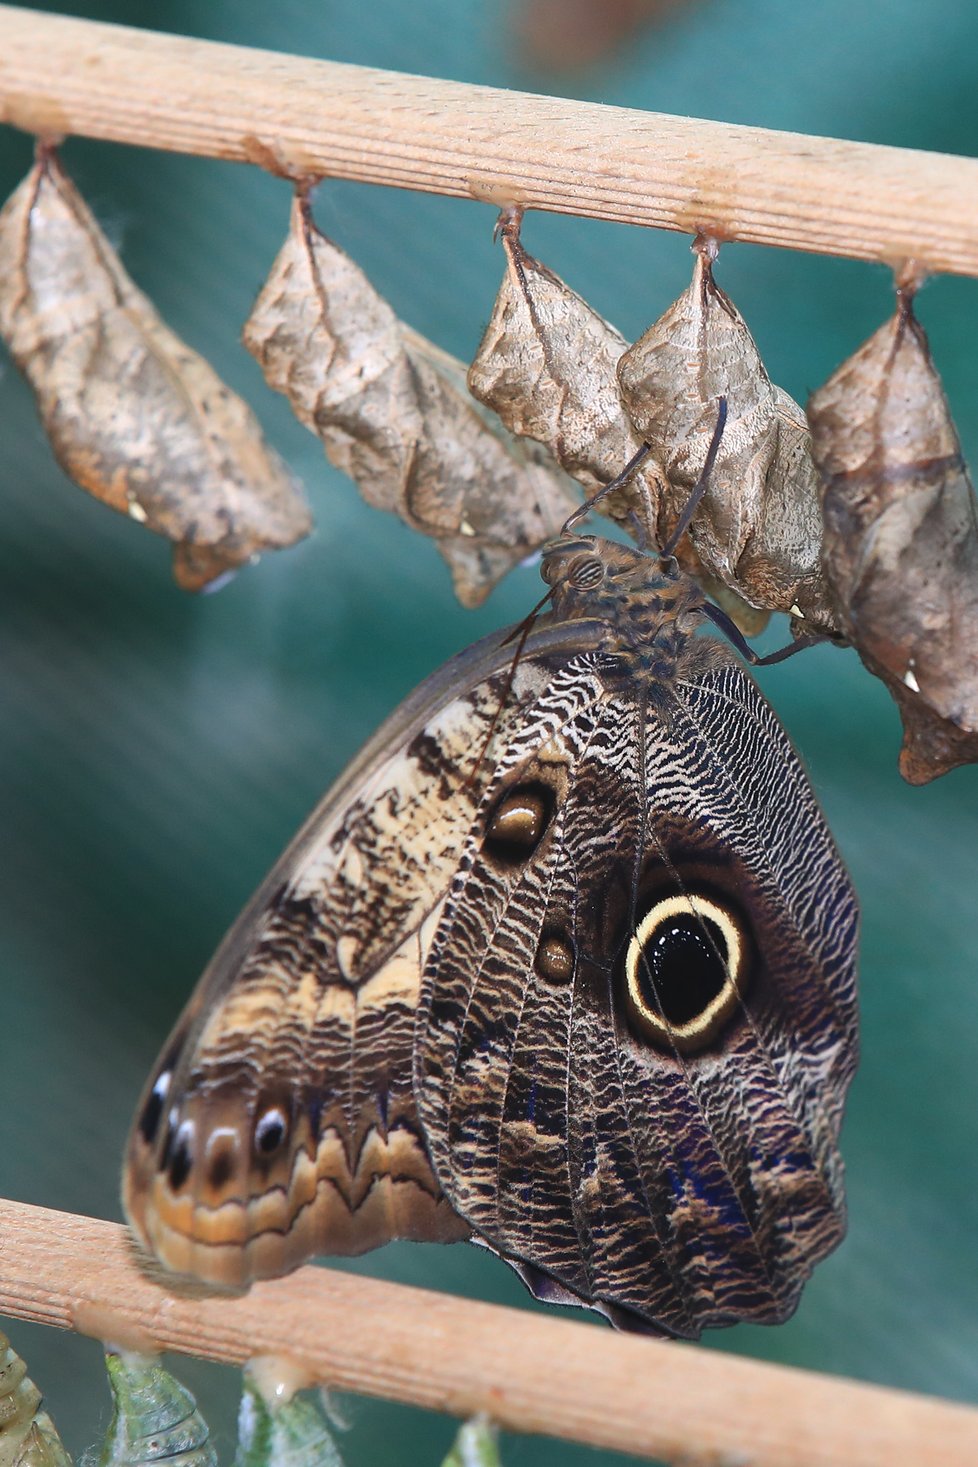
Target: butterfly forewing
[
  {"x": 279, "y": 1121},
  {"x": 685, "y": 1175}
]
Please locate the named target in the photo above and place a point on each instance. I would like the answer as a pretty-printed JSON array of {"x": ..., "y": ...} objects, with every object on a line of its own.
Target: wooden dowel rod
[
  {"x": 527, "y": 1370},
  {"x": 59, "y": 76}
]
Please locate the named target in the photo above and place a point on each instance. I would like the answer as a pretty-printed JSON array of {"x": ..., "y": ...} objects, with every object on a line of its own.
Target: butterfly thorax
[{"x": 649, "y": 605}]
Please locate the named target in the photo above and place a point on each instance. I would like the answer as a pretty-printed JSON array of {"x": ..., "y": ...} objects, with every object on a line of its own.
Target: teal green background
[{"x": 158, "y": 749}]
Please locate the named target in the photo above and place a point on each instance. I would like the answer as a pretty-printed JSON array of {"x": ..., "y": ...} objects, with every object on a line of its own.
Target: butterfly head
[{"x": 640, "y": 594}]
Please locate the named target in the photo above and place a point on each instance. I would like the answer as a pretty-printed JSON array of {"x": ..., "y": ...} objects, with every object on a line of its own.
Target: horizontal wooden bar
[
  {"x": 528, "y": 1370},
  {"x": 60, "y": 75}
]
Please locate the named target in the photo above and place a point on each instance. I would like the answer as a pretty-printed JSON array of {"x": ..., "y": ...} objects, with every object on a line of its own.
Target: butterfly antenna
[
  {"x": 618, "y": 482},
  {"x": 701, "y": 485},
  {"x": 518, "y": 635}
]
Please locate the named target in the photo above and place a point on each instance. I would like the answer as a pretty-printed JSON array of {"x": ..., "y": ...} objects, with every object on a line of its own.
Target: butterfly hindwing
[{"x": 687, "y": 1181}]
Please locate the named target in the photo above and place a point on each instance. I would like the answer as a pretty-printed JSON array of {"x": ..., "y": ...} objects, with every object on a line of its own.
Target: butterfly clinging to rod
[{"x": 593, "y": 1008}]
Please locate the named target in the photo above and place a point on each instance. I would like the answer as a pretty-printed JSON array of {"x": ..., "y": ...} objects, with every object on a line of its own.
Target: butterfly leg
[{"x": 731, "y": 630}]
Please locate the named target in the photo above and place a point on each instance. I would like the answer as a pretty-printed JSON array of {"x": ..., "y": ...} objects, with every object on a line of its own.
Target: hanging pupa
[
  {"x": 476, "y": 1445},
  {"x": 758, "y": 528},
  {"x": 28, "y": 1436},
  {"x": 547, "y": 365},
  {"x": 282, "y": 1429},
  {"x": 154, "y": 1417},
  {"x": 901, "y": 538},
  {"x": 133, "y": 415},
  {"x": 392, "y": 410}
]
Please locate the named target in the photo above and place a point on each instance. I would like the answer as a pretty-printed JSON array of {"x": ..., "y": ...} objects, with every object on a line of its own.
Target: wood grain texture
[
  {"x": 530, "y": 1373},
  {"x": 59, "y": 75}
]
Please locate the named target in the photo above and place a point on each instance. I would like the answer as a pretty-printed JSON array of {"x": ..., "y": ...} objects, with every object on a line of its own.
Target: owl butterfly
[{"x": 564, "y": 964}]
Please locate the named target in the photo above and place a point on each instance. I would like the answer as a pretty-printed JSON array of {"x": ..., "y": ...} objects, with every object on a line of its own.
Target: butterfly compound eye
[
  {"x": 686, "y": 969},
  {"x": 586, "y": 573}
]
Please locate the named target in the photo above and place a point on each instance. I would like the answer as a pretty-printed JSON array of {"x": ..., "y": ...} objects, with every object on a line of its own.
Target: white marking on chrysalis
[
  {"x": 276, "y": 1379},
  {"x": 911, "y": 681},
  {"x": 247, "y": 1421}
]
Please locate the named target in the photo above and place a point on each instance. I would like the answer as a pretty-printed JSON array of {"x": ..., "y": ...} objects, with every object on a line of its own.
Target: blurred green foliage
[{"x": 158, "y": 750}]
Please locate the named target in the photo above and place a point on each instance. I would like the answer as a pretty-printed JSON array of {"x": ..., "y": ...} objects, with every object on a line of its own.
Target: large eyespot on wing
[
  {"x": 686, "y": 969},
  {"x": 761, "y": 1013}
]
